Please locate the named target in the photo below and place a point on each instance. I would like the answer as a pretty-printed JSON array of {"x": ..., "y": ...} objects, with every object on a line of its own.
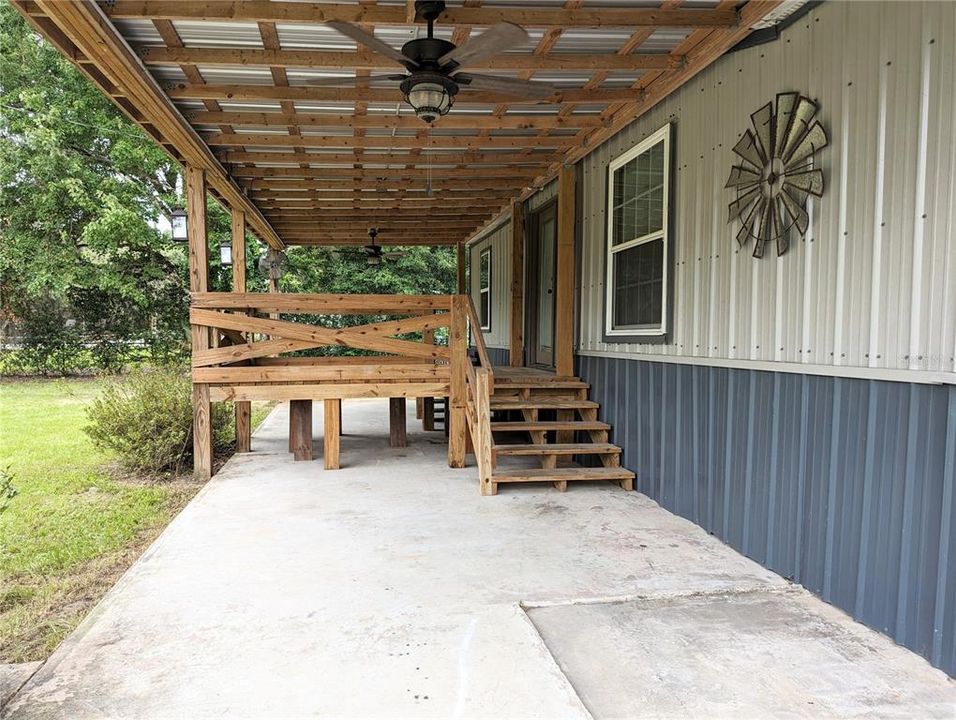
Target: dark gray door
[{"x": 541, "y": 271}]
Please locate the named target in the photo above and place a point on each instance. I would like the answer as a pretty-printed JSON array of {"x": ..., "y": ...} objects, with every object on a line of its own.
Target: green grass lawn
[{"x": 76, "y": 522}]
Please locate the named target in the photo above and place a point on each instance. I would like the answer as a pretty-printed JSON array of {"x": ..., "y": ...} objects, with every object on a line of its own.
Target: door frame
[{"x": 532, "y": 251}]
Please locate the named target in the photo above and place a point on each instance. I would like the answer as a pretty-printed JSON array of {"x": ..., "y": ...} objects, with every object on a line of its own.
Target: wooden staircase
[{"x": 546, "y": 422}]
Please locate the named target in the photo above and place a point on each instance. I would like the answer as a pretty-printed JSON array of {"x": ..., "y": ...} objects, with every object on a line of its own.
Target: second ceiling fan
[{"x": 434, "y": 65}]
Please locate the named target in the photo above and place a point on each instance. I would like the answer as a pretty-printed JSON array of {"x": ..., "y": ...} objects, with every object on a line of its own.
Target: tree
[{"x": 81, "y": 189}]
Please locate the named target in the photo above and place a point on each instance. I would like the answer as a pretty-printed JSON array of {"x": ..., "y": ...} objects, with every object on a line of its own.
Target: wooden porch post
[
  {"x": 455, "y": 417},
  {"x": 199, "y": 282},
  {"x": 516, "y": 342},
  {"x": 564, "y": 290},
  {"x": 461, "y": 269},
  {"x": 243, "y": 407}
]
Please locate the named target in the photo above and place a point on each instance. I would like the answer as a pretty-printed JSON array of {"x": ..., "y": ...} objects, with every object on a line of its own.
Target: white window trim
[
  {"x": 610, "y": 250},
  {"x": 482, "y": 253}
]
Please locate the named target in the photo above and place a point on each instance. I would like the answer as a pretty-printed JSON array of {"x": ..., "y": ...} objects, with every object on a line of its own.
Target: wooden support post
[
  {"x": 564, "y": 290},
  {"x": 199, "y": 282},
  {"x": 461, "y": 269},
  {"x": 300, "y": 429},
  {"x": 332, "y": 430},
  {"x": 243, "y": 426},
  {"x": 428, "y": 414},
  {"x": 455, "y": 412},
  {"x": 397, "y": 435},
  {"x": 483, "y": 449},
  {"x": 243, "y": 407},
  {"x": 419, "y": 405},
  {"x": 516, "y": 341}
]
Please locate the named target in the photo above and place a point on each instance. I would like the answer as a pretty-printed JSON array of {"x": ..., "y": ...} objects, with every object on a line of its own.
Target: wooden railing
[
  {"x": 480, "y": 387},
  {"x": 247, "y": 359}
]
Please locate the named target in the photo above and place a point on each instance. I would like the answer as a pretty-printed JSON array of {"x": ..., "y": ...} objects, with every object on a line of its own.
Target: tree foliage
[{"x": 85, "y": 271}]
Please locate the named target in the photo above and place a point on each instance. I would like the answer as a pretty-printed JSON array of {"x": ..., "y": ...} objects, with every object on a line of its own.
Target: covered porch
[{"x": 392, "y": 589}]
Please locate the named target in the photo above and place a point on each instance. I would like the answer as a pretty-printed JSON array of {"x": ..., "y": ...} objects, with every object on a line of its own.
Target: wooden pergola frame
[
  {"x": 489, "y": 152},
  {"x": 293, "y": 173}
]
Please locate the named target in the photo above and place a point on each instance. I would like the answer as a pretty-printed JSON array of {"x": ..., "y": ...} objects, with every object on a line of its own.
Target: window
[
  {"x": 637, "y": 251},
  {"x": 484, "y": 288}
]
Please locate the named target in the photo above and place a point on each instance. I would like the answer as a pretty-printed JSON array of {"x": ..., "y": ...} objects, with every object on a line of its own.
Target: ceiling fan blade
[
  {"x": 492, "y": 41},
  {"x": 351, "y": 81},
  {"x": 511, "y": 86},
  {"x": 371, "y": 42}
]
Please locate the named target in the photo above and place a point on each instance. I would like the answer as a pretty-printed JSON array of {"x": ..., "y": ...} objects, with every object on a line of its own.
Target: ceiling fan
[
  {"x": 374, "y": 253},
  {"x": 434, "y": 65}
]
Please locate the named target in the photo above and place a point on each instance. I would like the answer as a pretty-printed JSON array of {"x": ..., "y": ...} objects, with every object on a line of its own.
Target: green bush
[{"x": 146, "y": 418}]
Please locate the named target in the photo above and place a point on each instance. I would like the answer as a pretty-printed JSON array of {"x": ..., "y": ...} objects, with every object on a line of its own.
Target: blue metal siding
[{"x": 844, "y": 485}]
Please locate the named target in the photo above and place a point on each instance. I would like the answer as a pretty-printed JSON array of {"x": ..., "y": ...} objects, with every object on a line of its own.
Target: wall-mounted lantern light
[
  {"x": 177, "y": 220},
  {"x": 225, "y": 253}
]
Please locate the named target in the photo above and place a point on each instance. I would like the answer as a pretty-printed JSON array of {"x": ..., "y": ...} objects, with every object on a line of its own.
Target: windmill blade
[
  {"x": 493, "y": 41},
  {"x": 763, "y": 124},
  {"x": 511, "y": 86},
  {"x": 797, "y": 214},
  {"x": 815, "y": 138},
  {"x": 371, "y": 42},
  {"x": 351, "y": 81},
  {"x": 799, "y": 125},
  {"x": 737, "y": 208},
  {"x": 746, "y": 149},
  {"x": 741, "y": 177}
]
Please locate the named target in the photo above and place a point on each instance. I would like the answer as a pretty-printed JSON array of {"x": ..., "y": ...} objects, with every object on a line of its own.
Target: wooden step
[
  {"x": 541, "y": 403},
  {"x": 530, "y": 426},
  {"x": 539, "y": 385},
  {"x": 559, "y": 449},
  {"x": 614, "y": 474}
]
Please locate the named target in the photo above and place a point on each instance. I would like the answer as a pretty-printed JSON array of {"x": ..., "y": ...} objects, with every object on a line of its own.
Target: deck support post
[
  {"x": 461, "y": 268},
  {"x": 199, "y": 282},
  {"x": 564, "y": 275},
  {"x": 332, "y": 418},
  {"x": 455, "y": 419},
  {"x": 516, "y": 340},
  {"x": 397, "y": 431},
  {"x": 426, "y": 404},
  {"x": 300, "y": 429},
  {"x": 243, "y": 407}
]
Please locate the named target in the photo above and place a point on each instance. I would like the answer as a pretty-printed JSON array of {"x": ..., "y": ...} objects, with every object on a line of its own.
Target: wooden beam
[
  {"x": 199, "y": 283},
  {"x": 571, "y": 121},
  {"x": 397, "y": 424},
  {"x": 479, "y": 142},
  {"x": 354, "y": 189},
  {"x": 212, "y": 56},
  {"x": 442, "y": 164},
  {"x": 516, "y": 329},
  {"x": 91, "y": 32},
  {"x": 564, "y": 275},
  {"x": 332, "y": 421},
  {"x": 243, "y": 410},
  {"x": 323, "y": 391},
  {"x": 455, "y": 414},
  {"x": 460, "y": 257},
  {"x": 515, "y": 174},
  {"x": 301, "y": 93},
  {"x": 300, "y": 428},
  {"x": 311, "y": 12}
]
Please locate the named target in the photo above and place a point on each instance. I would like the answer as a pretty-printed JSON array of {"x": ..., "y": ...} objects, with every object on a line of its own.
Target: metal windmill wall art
[{"x": 775, "y": 176}]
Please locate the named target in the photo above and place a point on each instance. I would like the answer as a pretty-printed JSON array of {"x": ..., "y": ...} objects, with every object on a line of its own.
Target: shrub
[{"x": 146, "y": 418}]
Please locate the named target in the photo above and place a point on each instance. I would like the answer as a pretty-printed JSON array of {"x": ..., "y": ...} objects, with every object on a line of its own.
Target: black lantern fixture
[
  {"x": 430, "y": 94},
  {"x": 177, "y": 222},
  {"x": 225, "y": 253}
]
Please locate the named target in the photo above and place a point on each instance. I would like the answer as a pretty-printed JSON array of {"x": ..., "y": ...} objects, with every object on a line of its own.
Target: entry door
[{"x": 543, "y": 252}]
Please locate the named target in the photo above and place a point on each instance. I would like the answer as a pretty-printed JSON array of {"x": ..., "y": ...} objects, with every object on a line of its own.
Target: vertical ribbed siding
[
  {"x": 499, "y": 240},
  {"x": 846, "y": 486},
  {"x": 874, "y": 284}
]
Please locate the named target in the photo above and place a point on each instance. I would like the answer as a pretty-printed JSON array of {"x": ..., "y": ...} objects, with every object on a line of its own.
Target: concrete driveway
[{"x": 391, "y": 589}]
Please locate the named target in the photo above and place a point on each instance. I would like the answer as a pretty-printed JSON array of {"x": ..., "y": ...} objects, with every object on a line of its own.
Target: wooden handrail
[
  {"x": 477, "y": 335},
  {"x": 321, "y": 304}
]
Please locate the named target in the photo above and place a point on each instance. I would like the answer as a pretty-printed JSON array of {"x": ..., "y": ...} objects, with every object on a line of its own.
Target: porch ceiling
[{"x": 224, "y": 85}]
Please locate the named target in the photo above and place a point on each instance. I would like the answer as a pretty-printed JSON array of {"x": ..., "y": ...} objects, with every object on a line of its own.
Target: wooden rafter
[
  {"x": 316, "y": 165},
  {"x": 175, "y": 55},
  {"x": 307, "y": 12}
]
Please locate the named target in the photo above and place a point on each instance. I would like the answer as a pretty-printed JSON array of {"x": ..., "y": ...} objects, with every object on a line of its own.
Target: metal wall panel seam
[
  {"x": 867, "y": 521},
  {"x": 906, "y": 536},
  {"x": 944, "y": 567}
]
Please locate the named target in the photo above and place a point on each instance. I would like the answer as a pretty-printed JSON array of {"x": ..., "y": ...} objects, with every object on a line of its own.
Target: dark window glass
[{"x": 638, "y": 285}]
